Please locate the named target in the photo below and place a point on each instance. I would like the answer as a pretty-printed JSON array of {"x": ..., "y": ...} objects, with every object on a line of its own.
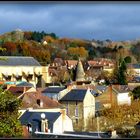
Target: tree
[
  {"x": 119, "y": 73},
  {"x": 120, "y": 117},
  {"x": 127, "y": 59},
  {"x": 9, "y": 123},
  {"x": 136, "y": 93},
  {"x": 122, "y": 72},
  {"x": 28, "y": 35},
  {"x": 135, "y": 51},
  {"x": 76, "y": 52},
  {"x": 10, "y": 48}
]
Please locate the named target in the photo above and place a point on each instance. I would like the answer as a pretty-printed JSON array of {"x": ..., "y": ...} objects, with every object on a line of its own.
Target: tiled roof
[
  {"x": 30, "y": 100},
  {"x": 75, "y": 95},
  {"x": 18, "y": 90},
  {"x": 101, "y": 62},
  {"x": 18, "y": 61},
  {"x": 71, "y": 62},
  {"x": 122, "y": 88}
]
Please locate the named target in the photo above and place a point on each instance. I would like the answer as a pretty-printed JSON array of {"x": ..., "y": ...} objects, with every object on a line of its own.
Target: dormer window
[
  {"x": 39, "y": 102},
  {"x": 29, "y": 128}
]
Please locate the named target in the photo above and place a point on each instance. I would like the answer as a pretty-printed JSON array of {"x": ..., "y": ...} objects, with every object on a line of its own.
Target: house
[
  {"x": 58, "y": 62},
  {"x": 115, "y": 94},
  {"x": 107, "y": 98},
  {"x": 122, "y": 94},
  {"x": 71, "y": 64},
  {"x": 79, "y": 104},
  {"x": 133, "y": 69},
  {"x": 18, "y": 91},
  {"x": 20, "y": 68},
  {"x": 101, "y": 64},
  {"x": 36, "y": 100},
  {"x": 48, "y": 122},
  {"x": 53, "y": 92},
  {"x": 134, "y": 81}
]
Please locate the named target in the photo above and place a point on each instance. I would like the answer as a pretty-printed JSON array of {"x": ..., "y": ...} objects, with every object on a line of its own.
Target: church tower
[{"x": 80, "y": 74}]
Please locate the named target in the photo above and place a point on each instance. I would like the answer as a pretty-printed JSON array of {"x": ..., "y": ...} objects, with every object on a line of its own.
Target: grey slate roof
[
  {"x": 75, "y": 95},
  {"x": 18, "y": 61},
  {"x": 34, "y": 118},
  {"x": 53, "y": 89}
]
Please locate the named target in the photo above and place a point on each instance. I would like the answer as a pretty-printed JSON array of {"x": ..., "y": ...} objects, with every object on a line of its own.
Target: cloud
[{"x": 80, "y": 20}]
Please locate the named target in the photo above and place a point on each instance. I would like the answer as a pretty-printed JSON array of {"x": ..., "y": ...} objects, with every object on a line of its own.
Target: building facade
[{"x": 24, "y": 69}]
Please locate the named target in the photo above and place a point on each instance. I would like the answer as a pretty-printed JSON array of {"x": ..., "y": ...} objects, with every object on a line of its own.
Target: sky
[{"x": 117, "y": 21}]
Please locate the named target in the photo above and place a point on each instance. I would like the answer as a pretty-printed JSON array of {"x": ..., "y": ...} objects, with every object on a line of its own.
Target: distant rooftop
[
  {"x": 53, "y": 89},
  {"x": 122, "y": 88},
  {"x": 135, "y": 66},
  {"x": 18, "y": 61}
]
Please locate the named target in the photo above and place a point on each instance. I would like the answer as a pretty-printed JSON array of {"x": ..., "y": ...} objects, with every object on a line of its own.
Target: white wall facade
[
  {"x": 17, "y": 70},
  {"x": 89, "y": 106},
  {"x": 63, "y": 123},
  {"x": 123, "y": 98}
]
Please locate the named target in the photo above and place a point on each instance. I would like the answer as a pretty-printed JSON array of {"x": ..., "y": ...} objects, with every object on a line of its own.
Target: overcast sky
[{"x": 86, "y": 20}]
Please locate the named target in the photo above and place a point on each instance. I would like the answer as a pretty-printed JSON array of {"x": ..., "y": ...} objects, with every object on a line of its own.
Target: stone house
[{"x": 79, "y": 104}]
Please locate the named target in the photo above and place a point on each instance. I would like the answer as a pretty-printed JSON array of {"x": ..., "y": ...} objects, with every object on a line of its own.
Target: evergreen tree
[{"x": 121, "y": 74}]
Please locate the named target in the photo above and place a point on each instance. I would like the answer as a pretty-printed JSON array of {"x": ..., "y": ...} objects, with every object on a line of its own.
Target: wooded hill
[{"x": 46, "y": 46}]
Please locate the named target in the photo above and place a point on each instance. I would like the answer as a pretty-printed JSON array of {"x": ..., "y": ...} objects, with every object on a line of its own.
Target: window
[
  {"x": 29, "y": 128},
  {"x": 76, "y": 109},
  {"x": 67, "y": 108}
]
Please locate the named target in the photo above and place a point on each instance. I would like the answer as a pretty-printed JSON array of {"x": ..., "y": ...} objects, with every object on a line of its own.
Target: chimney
[
  {"x": 63, "y": 112},
  {"x": 24, "y": 90},
  {"x": 114, "y": 134},
  {"x": 44, "y": 123}
]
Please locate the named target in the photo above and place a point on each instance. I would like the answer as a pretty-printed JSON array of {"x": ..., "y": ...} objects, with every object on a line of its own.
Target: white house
[
  {"x": 122, "y": 94},
  {"x": 46, "y": 121}
]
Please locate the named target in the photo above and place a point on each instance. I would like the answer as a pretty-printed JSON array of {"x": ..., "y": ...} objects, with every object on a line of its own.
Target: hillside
[{"x": 47, "y": 46}]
